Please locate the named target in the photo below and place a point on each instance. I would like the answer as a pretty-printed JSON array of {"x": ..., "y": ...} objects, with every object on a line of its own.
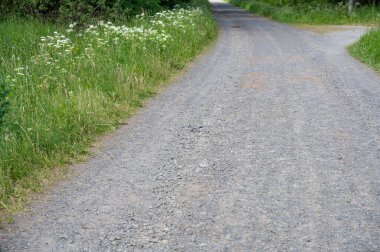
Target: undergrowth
[{"x": 60, "y": 87}]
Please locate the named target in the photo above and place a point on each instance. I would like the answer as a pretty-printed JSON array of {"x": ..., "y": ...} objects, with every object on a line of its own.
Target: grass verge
[
  {"x": 314, "y": 12},
  {"x": 367, "y": 49},
  {"x": 62, "y": 86}
]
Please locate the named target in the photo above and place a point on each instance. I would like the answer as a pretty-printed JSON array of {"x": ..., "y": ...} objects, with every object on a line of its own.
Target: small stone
[{"x": 203, "y": 165}]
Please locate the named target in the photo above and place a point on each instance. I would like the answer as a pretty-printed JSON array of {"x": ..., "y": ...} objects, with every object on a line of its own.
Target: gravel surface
[{"x": 271, "y": 141}]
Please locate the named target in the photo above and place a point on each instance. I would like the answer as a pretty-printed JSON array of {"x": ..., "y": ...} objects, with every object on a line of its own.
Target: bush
[
  {"x": 172, "y": 3},
  {"x": 82, "y": 11},
  {"x": 65, "y": 11}
]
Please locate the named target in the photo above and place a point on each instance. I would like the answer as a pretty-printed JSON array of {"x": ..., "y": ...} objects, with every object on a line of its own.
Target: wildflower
[{"x": 72, "y": 25}]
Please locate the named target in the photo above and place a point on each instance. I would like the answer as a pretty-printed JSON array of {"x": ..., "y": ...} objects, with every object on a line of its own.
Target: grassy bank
[
  {"x": 313, "y": 12},
  {"x": 63, "y": 86},
  {"x": 367, "y": 49}
]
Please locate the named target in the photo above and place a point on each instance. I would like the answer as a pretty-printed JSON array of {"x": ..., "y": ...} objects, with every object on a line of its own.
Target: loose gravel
[{"x": 271, "y": 141}]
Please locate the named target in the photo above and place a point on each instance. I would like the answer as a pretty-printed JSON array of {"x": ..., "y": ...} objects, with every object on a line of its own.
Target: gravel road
[{"x": 271, "y": 141}]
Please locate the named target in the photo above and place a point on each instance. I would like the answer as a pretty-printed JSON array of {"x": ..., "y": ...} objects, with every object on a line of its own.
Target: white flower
[{"x": 72, "y": 25}]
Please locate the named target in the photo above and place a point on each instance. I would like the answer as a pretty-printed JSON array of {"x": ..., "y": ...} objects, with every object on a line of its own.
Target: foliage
[
  {"x": 367, "y": 49},
  {"x": 65, "y": 11},
  {"x": 311, "y": 12}
]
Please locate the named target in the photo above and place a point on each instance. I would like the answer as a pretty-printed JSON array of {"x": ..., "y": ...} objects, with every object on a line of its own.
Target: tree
[{"x": 350, "y": 6}]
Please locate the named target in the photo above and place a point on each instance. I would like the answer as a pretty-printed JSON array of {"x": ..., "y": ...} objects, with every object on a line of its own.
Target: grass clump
[
  {"x": 367, "y": 49},
  {"x": 311, "y": 12},
  {"x": 62, "y": 86},
  {"x": 4, "y": 103}
]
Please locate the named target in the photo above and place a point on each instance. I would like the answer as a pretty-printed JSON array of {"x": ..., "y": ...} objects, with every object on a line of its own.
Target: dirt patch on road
[
  {"x": 307, "y": 78},
  {"x": 194, "y": 191},
  {"x": 325, "y": 29},
  {"x": 255, "y": 81}
]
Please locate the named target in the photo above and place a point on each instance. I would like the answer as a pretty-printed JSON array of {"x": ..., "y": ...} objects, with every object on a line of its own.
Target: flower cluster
[
  {"x": 75, "y": 45},
  {"x": 52, "y": 48},
  {"x": 178, "y": 18}
]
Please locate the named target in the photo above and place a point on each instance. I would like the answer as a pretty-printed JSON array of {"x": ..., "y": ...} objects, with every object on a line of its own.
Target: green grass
[
  {"x": 68, "y": 88},
  {"x": 367, "y": 49},
  {"x": 311, "y": 13}
]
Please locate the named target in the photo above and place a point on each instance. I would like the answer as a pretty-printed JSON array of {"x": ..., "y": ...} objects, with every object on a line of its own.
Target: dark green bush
[
  {"x": 84, "y": 10},
  {"x": 172, "y": 3}
]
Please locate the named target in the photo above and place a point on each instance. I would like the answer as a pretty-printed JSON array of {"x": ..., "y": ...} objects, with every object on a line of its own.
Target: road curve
[{"x": 271, "y": 141}]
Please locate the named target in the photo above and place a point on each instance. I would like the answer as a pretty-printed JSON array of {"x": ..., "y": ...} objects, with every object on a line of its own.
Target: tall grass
[
  {"x": 367, "y": 49},
  {"x": 313, "y": 12},
  {"x": 66, "y": 85}
]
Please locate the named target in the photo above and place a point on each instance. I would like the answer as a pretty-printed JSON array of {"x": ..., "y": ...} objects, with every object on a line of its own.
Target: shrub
[
  {"x": 65, "y": 11},
  {"x": 82, "y": 11}
]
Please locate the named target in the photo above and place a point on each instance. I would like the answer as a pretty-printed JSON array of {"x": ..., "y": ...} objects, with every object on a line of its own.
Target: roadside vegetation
[
  {"x": 64, "y": 83},
  {"x": 367, "y": 49},
  {"x": 314, "y": 11}
]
